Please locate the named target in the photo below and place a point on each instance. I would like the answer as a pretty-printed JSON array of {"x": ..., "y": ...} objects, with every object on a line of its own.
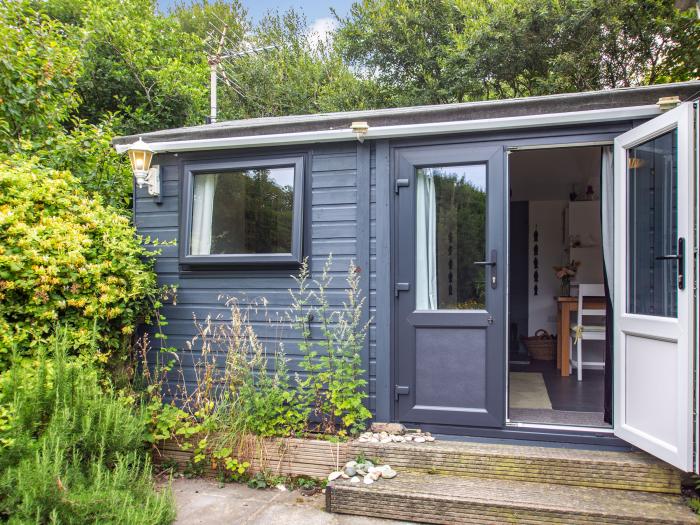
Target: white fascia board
[{"x": 407, "y": 130}]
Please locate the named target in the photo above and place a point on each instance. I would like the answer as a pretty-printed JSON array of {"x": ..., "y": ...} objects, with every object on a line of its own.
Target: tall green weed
[{"x": 228, "y": 405}]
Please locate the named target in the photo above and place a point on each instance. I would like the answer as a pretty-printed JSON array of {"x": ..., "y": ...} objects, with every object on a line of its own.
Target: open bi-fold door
[{"x": 654, "y": 341}]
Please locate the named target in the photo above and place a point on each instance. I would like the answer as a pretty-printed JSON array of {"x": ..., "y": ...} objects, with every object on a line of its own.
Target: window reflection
[
  {"x": 653, "y": 226},
  {"x": 450, "y": 237},
  {"x": 243, "y": 212}
]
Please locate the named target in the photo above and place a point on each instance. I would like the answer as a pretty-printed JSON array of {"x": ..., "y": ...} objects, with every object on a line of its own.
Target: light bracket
[{"x": 151, "y": 180}]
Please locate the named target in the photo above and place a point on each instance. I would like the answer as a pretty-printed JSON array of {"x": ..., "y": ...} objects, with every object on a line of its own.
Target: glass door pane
[
  {"x": 450, "y": 237},
  {"x": 652, "y": 178}
]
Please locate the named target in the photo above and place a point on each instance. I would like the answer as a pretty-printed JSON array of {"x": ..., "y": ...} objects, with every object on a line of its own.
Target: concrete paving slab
[{"x": 206, "y": 502}]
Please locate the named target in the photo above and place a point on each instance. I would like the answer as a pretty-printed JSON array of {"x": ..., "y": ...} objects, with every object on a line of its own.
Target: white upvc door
[{"x": 654, "y": 342}]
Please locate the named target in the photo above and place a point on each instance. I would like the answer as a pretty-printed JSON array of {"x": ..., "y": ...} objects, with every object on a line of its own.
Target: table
[{"x": 565, "y": 306}]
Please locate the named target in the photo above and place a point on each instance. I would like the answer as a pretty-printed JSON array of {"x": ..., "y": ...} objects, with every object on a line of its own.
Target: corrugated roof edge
[{"x": 562, "y": 103}]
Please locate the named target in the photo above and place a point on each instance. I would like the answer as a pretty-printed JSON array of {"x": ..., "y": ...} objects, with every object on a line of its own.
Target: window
[{"x": 243, "y": 212}]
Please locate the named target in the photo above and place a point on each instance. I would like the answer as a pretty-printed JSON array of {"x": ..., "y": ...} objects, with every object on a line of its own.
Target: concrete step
[
  {"x": 445, "y": 499},
  {"x": 563, "y": 466}
]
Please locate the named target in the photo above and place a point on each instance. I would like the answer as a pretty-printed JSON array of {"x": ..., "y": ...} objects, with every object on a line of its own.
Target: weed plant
[{"x": 243, "y": 390}]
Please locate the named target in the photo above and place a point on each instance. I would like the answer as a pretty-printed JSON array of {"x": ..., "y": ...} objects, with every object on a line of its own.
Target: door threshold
[{"x": 571, "y": 428}]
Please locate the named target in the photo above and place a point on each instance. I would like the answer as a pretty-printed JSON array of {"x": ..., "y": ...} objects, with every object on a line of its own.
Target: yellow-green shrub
[{"x": 67, "y": 259}]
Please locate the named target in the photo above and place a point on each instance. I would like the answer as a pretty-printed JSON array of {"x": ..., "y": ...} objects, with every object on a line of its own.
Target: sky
[{"x": 315, "y": 10}]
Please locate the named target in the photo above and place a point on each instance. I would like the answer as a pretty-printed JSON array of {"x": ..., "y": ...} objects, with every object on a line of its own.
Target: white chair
[{"x": 584, "y": 331}]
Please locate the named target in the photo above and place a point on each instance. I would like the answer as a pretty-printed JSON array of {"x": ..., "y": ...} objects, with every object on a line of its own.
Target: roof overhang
[
  {"x": 564, "y": 109},
  {"x": 406, "y": 130}
]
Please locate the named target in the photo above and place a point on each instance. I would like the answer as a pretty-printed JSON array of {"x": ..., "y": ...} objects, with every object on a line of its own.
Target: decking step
[
  {"x": 444, "y": 499},
  {"x": 564, "y": 466}
]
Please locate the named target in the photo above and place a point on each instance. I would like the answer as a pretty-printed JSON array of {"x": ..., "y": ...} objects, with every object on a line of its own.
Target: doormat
[
  {"x": 558, "y": 417},
  {"x": 527, "y": 390}
]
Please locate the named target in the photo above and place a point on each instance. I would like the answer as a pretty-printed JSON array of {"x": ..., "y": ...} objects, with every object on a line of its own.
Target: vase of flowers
[{"x": 564, "y": 274}]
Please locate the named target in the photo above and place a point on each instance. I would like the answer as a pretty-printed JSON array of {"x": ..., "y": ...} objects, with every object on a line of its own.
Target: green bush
[
  {"x": 71, "y": 451},
  {"x": 66, "y": 258},
  {"x": 86, "y": 151}
]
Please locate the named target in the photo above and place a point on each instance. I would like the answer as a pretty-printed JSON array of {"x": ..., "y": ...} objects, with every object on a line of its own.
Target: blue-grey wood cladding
[
  {"x": 340, "y": 219},
  {"x": 381, "y": 295}
]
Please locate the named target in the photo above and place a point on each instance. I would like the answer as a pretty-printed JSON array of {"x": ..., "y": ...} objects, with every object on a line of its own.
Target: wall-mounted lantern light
[{"x": 140, "y": 155}]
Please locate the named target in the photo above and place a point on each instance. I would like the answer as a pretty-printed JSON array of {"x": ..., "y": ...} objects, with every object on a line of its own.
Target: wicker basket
[{"x": 541, "y": 346}]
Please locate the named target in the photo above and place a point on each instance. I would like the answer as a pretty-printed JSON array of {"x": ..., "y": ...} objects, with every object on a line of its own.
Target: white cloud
[{"x": 321, "y": 30}]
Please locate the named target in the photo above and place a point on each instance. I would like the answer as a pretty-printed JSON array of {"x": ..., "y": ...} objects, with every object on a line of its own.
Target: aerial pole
[
  {"x": 214, "y": 61},
  {"x": 222, "y": 51}
]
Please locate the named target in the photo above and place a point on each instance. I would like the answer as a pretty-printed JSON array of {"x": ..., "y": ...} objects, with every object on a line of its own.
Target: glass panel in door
[
  {"x": 451, "y": 237},
  {"x": 652, "y": 176}
]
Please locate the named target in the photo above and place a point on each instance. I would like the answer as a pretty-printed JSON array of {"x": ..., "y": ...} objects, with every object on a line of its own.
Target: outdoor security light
[{"x": 140, "y": 155}]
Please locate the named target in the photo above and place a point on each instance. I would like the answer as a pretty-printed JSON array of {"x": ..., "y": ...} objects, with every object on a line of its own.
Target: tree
[
  {"x": 297, "y": 73},
  {"x": 458, "y": 50},
  {"x": 199, "y": 17},
  {"x": 403, "y": 44},
  {"x": 143, "y": 65}
]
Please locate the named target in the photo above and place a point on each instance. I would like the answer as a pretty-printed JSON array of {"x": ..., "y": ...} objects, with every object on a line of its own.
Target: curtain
[
  {"x": 607, "y": 200},
  {"x": 426, "y": 245},
  {"x": 202, "y": 213},
  {"x": 607, "y": 185}
]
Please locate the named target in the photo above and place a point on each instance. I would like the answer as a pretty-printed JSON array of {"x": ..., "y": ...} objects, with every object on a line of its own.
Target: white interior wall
[
  {"x": 547, "y": 217},
  {"x": 584, "y": 226}
]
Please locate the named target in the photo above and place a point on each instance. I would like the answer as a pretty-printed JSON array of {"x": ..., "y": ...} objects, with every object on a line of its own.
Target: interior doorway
[{"x": 559, "y": 366}]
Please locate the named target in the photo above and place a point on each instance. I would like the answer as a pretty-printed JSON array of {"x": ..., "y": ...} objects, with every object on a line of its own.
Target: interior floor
[{"x": 567, "y": 402}]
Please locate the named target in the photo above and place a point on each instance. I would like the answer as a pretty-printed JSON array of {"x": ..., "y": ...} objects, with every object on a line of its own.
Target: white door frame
[{"x": 653, "y": 355}]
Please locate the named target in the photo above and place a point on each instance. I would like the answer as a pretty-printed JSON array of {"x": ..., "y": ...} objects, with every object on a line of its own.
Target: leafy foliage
[
  {"x": 73, "y": 451},
  {"x": 223, "y": 417},
  {"x": 141, "y": 64},
  {"x": 38, "y": 72},
  {"x": 68, "y": 259},
  {"x": 197, "y": 17},
  {"x": 297, "y": 73},
  {"x": 86, "y": 151},
  {"x": 458, "y": 50}
]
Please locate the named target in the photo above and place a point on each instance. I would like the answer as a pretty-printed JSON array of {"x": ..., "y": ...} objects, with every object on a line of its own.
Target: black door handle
[
  {"x": 492, "y": 264},
  {"x": 680, "y": 257}
]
